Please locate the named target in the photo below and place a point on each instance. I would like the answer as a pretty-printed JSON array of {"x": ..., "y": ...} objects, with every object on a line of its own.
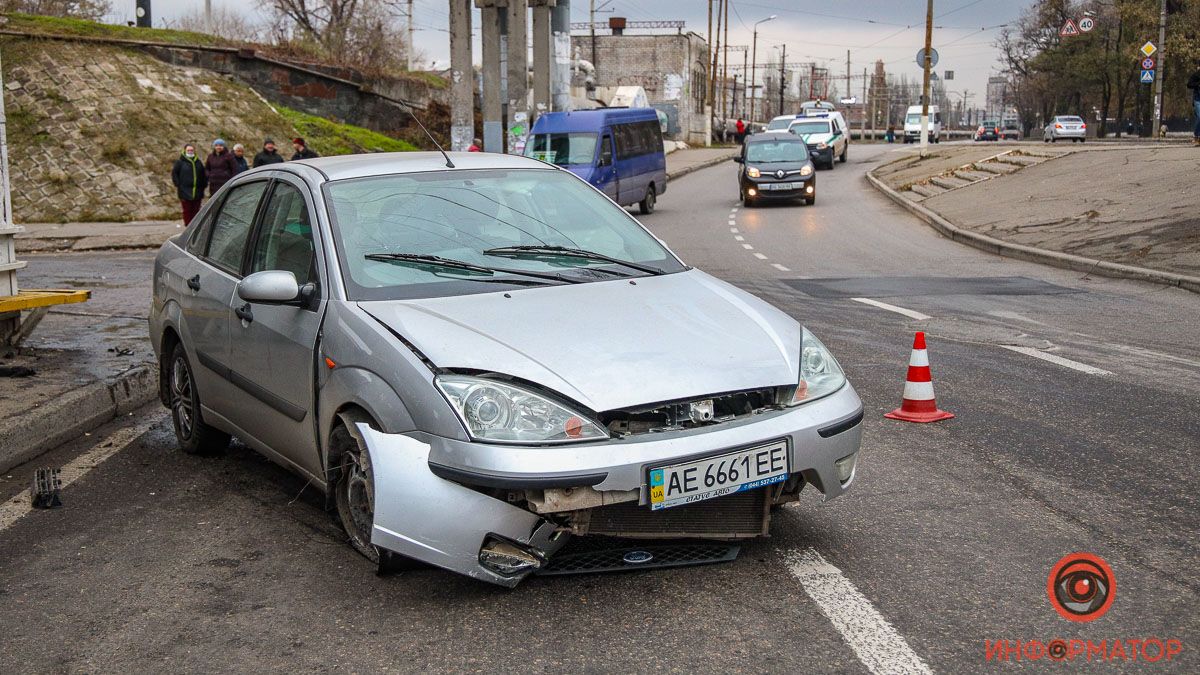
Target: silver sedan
[
  {"x": 479, "y": 356},
  {"x": 1065, "y": 126}
]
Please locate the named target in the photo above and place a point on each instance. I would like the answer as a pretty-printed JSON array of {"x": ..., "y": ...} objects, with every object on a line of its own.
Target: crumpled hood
[{"x": 612, "y": 344}]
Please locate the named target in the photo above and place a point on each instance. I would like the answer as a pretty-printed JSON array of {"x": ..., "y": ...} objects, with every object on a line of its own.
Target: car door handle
[
  {"x": 194, "y": 283},
  {"x": 244, "y": 313}
]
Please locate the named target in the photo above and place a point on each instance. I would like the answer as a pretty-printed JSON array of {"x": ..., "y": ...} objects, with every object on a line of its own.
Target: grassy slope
[
  {"x": 333, "y": 138},
  {"x": 62, "y": 26}
]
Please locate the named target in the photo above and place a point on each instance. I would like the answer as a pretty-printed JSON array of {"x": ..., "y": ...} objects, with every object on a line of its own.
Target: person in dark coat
[
  {"x": 302, "y": 150},
  {"x": 220, "y": 167},
  {"x": 189, "y": 179},
  {"x": 239, "y": 156},
  {"x": 268, "y": 154},
  {"x": 1193, "y": 83}
]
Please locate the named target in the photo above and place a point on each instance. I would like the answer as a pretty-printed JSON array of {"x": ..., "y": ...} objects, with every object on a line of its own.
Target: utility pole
[
  {"x": 462, "y": 77},
  {"x": 725, "y": 68},
  {"x": 862, "y": 132},
  {"x": 754, "y": 66},
  {"x": 1162, "y": 64},
  {"x": 517, "y": 123},
  {"x": 493, "y": 104},
  {"x": 925, "y": 84},
  {"x": 707, "y": 94},
  {"x": 849, "y": 93},
  {"x": 543, "y": 51},
  {"x": 208, "y": 22},
  {"x": 783, "y": 75},
  {"x": 408, "y": 48},
  {"x": 745, "y": 55},
  {"x": 592, "y": 28},
  {"x": 712, "y": 74}
]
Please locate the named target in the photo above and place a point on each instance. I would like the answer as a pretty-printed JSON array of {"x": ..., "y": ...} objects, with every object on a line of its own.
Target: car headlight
[
  {"x": 753, "y": 172},
  {"x": 807, "y": 170},
  {"x": 822, "y": 146},
  {"x": 820, "y": 374},
  {"x": 502, "y": 413}
]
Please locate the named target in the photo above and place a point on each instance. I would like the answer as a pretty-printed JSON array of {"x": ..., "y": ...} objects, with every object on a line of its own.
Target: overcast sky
[{"x": 814, "y": 30}]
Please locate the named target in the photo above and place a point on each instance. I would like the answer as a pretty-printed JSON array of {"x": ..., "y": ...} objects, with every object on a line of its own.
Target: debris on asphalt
[{"x": 46, "y": 488}]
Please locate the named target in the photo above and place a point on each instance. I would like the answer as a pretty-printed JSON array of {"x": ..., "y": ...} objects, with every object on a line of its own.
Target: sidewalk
[
  {"x": 1128, "y": 211},
  {"x": 682, "y": 162}
]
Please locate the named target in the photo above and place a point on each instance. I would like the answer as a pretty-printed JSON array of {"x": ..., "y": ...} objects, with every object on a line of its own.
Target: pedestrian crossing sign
[
  {"x": 1069, "y": 29},
  {"x": 1147, "y": 77}
]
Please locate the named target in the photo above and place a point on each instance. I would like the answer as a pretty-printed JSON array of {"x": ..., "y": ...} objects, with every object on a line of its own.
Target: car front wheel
[
  {"x": 355, "y": 492},
  {"x": 194, "y": 436}
]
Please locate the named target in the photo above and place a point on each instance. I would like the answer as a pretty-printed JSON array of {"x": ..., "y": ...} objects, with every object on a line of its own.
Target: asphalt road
[{"x": 161, "y": 560}]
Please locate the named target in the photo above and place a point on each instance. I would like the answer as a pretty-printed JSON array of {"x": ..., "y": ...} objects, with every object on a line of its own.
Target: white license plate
[
  {"x": 718, "y": 476},
  {"x": 779, "y": 186}
]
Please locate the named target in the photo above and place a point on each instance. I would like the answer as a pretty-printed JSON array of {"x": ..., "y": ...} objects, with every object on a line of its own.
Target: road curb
[
  {"x": 1031, "y": 253},
  {"x": 73, "y": 414},
  {"x": 702, "y": 165}
]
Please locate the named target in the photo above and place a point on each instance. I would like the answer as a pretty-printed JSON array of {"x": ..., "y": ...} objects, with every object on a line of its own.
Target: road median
[{"x": 1049, "y": 222}]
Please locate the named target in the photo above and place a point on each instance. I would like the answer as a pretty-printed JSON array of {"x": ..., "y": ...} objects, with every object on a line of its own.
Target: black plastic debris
[
  {"x": 46, "y": 489},
  {"x": 17, "y": 371}
]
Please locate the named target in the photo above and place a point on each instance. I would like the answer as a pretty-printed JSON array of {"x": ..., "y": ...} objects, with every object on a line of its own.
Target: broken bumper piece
[{"x": 427, "y": 518}]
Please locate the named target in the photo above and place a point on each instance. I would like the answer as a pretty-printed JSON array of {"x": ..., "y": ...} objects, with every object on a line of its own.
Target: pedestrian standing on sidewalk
[
  {"x": 476, "y": 146},
  {"x": 189, "y": 180},
  {"x": 1193, "y": 83},
  {"x": 220, "y": 167},
  {"x": 302, "y": 150},
  {"x": 239, "y": 156},
  {"x": 268, "y": 154},
  {"x": 741, "y": 131}
]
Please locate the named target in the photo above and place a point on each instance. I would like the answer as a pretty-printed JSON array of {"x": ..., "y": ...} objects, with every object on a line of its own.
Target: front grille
[
  {"x": 736, "y": 516},
  {"x": 617, "y": 558},
  {"x": 678, "y": 415}
]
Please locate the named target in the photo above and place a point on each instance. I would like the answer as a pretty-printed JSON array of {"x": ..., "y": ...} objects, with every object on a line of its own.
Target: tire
[
  {"x": 1083, "y": 140},
  {"x": 646, "y": 206},
  {"x": 194, "y": 436},
  {"x": 809, "y": 201},
  {"x": 354, "y": 493},
  {"x": 845, "y": 150}
]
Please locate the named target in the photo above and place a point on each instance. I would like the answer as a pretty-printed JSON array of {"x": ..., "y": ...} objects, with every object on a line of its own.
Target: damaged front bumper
[{"x": 432, "y": 501}]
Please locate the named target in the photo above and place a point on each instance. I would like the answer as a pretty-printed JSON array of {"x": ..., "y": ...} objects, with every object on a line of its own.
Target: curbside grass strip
[
  {"x": 73, "y": 414},
  {"x": 1033, "y": 254}
]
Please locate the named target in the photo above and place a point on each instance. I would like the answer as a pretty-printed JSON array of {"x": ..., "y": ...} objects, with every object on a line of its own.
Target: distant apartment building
[
  {"x": 997, "y": 96},
  {"x": 671, "y": 68}
]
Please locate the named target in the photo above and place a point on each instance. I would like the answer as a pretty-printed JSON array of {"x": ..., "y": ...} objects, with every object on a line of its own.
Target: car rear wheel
[
  {"x": 355, "y": 492},
  {"x": 845, "y": 150},
  {"x": 194, "y": 436},
  {"x": 646, "y": 206}
]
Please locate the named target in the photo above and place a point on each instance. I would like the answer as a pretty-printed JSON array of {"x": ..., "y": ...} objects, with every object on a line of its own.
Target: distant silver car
[
  {"x": 477, "y": 362},
  {"x": 1065, "y": 126}
]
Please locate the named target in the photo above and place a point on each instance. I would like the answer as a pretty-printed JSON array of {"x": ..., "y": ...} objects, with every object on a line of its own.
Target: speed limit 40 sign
[{"x": 1086, "y": 24}]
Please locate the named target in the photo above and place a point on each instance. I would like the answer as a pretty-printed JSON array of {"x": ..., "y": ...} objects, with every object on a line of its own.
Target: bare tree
[
  {"x": 81, "y": 9},
  {"x": 225, "y": 23},
  {"x": 361, "y": 33}
]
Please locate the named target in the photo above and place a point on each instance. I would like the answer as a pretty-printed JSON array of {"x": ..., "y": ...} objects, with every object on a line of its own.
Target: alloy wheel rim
[
  {"x": 358, "y": 502},
  {"x": 181, "y": 397}
]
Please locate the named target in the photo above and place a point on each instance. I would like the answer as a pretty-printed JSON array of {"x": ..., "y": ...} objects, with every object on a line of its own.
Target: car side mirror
[
  {"x": 738, "y": 159},
  {"x": 272, "y": 287}
]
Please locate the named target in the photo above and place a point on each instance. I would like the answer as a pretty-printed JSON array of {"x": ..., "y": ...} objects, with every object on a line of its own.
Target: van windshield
[
  {"x": 562, "y": 149},
  {"x": 460, "y": 214},
  {"x": 806, "y": 128},
  {"x": 913, "y": 118},
  {"x": 780, "y": 123},
  {"x": 784, "y": 150}
]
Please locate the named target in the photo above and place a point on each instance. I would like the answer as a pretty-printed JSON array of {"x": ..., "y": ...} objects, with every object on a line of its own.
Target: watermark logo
[{"x": 1081, "y": 587}]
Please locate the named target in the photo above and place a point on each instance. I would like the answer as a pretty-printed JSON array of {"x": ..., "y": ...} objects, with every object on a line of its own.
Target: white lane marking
[
  {"x": 748, "y": 247},
  {"x": 875, "y": 642},
  {"x": 732, "y": 221},
  {"x": 103, "y": 448},
  {"x": 779, "y": 267},
  {"x": 733, "y": 230},
  {"x": 910, "y": 313},
  {"x": 1056, "y": 359},
  {"x": 739, "y": 238},
  {"x": 760, "y": 256},
  {"x": 733, "y": 210}
]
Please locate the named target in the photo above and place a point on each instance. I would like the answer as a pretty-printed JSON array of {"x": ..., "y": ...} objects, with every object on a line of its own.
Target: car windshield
[
  {"x": 457, "y": 215},
  {"x": 562, "y": 149},
  {"x": 990, "y": 123},
  {"x": 780, "y": 124},
  {"x": 784, "y": 150},
  {"x": 913, "y": 118},
  {"x": 1071, "y": 120},
  {"x": 805, "y": 128}
]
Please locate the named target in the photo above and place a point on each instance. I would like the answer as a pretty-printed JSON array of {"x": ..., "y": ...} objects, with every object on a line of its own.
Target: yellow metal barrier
[{"x": 32, "y": 299}]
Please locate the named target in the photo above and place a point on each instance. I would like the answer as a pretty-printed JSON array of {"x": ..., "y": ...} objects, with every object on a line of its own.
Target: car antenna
[{"x": 409, "y": 107}]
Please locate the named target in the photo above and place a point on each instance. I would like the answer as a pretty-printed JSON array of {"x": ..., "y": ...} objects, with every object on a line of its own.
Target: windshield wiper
[
  {"x": 421, "y": 260},
  {"x": 566, "y": 251}
]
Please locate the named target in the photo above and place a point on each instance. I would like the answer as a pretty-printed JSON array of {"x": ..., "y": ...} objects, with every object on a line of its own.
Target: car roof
[
  {"x": 383, "y": 163},
  {"x": 590, "y": 120}
]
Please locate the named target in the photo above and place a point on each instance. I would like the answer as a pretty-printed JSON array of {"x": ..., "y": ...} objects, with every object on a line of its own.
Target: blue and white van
[{"x": 617, "y": 150}]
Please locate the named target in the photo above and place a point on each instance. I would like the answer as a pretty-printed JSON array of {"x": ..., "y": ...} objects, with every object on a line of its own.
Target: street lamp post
[{"x": 754, "y": 64}]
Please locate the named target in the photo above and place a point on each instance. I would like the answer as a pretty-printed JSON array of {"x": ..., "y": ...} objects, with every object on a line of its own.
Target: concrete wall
[{"x": 671, "y": 68}]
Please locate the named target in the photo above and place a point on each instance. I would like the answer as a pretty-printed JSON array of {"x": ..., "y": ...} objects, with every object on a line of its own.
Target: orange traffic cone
[{"x": 919, "y": 404}]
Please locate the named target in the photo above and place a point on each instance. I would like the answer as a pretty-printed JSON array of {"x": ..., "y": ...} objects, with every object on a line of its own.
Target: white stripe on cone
[
  {"x": 918, "y": 391},
  {"x": 920, "y": 357}
]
